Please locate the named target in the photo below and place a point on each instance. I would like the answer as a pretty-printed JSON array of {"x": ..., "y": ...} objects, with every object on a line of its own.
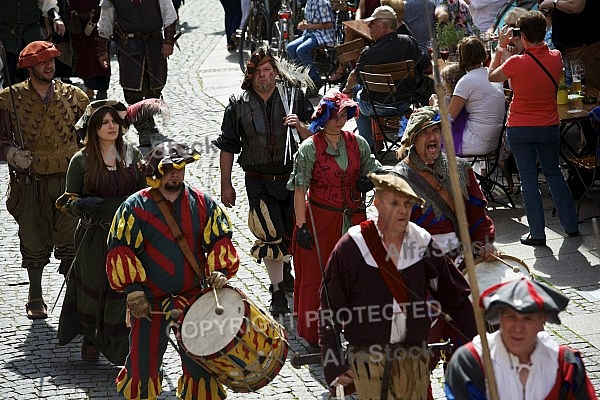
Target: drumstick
[
  {"x": 515, "y": 269},
  {"x": 218, "y": 308},
  {"x": 174, "y": 313}
]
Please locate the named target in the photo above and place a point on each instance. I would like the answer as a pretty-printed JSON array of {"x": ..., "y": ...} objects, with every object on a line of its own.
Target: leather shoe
[
  {"x": 573, "y": 234},
  {"x": 527, "y": 240}
]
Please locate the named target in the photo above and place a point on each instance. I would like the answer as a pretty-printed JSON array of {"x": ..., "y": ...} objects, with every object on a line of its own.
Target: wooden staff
[{"x": 463, "y": 225}]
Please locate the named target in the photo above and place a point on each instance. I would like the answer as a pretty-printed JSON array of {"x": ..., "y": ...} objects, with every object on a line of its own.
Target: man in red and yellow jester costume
[{"x": 146, "y": 261}]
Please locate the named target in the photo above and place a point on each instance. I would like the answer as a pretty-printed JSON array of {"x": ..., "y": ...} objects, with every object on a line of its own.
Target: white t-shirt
[
  {"x": 484, "y": 103},
  {"x": 484, "y": 12}
]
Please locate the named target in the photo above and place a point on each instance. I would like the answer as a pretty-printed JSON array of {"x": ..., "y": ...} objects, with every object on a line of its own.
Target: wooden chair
[
  {"x": 348, "y": 53},
  {"x": 386, "y": 79}
]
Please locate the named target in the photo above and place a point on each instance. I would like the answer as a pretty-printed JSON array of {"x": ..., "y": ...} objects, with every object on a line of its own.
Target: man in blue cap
[{"x": 528, "y": 363}]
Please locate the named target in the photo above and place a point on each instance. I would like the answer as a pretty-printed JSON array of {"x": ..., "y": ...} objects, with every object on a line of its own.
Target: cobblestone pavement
[{"x": 201, "y": 76}]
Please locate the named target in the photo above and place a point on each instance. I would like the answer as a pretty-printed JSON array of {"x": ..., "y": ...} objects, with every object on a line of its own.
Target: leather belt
[{"x": 272, "y": 178}]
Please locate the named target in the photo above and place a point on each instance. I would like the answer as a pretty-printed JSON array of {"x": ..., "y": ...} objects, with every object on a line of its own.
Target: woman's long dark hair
[{"x": 97, "y": 176}]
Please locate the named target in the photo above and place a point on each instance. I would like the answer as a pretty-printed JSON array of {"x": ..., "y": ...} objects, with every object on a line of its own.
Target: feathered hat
[
  {"x": 329, "y": 107},
  {"x": 163, "y": 156},
  {"x": 129, "y": 114},
  {"x": 288, "y": 72}
]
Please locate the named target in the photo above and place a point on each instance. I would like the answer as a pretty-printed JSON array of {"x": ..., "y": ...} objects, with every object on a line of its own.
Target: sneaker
[
  {"x": 288, "y": 278},
  {"x": 279, "y": 303}
]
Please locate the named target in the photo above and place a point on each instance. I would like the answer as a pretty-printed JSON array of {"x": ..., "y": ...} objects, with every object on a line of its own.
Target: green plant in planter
[
  {"x": 563, "y": 86},
  {"x": 448, "y": 36}
]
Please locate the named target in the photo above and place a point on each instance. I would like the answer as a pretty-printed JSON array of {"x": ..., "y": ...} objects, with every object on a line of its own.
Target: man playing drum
[
  {"x": 376, "y": 286},
  {"x": 161, "y": 274}
]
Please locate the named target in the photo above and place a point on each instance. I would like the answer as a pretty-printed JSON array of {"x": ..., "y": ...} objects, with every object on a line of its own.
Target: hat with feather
[
  {"x": 288, "y": 72},
  {"x": 166, "y": 156},
  {"x": 129, "y": 114},
  {"x": 329, "y": 107}
]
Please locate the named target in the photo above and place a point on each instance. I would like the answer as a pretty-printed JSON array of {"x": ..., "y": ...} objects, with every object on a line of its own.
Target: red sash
[{"x": 390, "y": 274}]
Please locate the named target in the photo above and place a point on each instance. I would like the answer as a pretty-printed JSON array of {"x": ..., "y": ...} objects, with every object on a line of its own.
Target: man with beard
[
  {"x": 37, "y": 139},
  {"x": 164, "y": 270},
  {"x": 426, "y": 168},
  {"x": 255, "y": 125}
]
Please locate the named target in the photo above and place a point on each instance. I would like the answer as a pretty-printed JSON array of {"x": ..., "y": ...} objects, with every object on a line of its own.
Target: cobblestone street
[{"x": 202, "y": 75}]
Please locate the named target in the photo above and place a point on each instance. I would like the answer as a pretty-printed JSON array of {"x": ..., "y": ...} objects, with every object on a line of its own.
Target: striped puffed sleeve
[
  {"x": 125, "y": 240},
  {"x": 216, "y": 241}
]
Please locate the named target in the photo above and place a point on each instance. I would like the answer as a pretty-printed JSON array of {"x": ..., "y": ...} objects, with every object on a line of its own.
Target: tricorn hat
[
  {"x": 394, "y": 183},
  {"x": 37, "y": 52},
  {"x": 524, "y": 296}
]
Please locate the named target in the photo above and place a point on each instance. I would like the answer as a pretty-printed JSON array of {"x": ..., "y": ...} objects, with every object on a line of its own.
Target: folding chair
[
  {"x": 489, "y": 179},
  {"x": 587, "y": 170},
  {"x": 386, "y": 79}
]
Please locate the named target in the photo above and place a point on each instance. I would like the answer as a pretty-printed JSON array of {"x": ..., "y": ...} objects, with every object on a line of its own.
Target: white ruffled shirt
[{"x": 542, "y": 371}]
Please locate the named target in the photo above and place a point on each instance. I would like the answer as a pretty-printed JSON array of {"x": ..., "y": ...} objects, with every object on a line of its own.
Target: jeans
[
  {"x": 530, "y": 144},
  {"x": 233, "y": 17},
  {"x": 301, "y": 51},
  {"x": 363, "y": 122}
]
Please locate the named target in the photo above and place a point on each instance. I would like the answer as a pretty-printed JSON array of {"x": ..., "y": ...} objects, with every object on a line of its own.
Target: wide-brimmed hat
[
  {"x": 37, "y": 52},
  {"x": 394, "y": 183},
  {"x": 93, "y": 107},
  {"x": 329, "y": 107},
  {"x": 164, "y": 156},
  {"x": 382, "y": 12},
  {"x": 525, "y": 296},
  {"x": 421, "y": 118}
]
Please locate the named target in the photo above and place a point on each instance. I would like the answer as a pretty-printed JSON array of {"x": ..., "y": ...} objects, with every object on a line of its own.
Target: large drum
[
  {"x": 492, "y": 272},
  {"x": 243, "y": 347}
]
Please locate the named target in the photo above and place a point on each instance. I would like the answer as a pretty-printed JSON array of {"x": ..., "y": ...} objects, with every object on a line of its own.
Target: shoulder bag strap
[
  {"x": 428, "y": 188},
  {"x": 544, "y": 68},
  {"x": 176, "y": 231},
  {"x": 390, "y": 274}
]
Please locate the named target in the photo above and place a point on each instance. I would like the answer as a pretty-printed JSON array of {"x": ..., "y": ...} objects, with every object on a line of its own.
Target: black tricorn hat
[{"x": 524, "y": 296}]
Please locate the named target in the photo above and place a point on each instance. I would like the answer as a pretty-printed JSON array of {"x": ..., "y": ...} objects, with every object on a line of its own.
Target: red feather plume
[{"x": 146, "y": 108}]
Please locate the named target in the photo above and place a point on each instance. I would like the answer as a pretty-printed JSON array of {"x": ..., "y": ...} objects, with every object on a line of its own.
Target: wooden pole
[{"x": 463, "y": 225}]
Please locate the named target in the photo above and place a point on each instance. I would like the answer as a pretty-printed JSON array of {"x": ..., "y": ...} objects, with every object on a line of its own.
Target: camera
[{"x": 516, "y": 32}]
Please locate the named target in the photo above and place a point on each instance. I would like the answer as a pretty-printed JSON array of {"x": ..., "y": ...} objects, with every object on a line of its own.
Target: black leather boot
[
  {"x": 288, "y": 278},
  {"x": 279, "y": 303}
]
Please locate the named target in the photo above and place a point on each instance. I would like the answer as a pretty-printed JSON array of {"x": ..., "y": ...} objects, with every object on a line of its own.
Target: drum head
[
  {"x": 492, "y": 272},
  {"x": 202, "y": 331}
]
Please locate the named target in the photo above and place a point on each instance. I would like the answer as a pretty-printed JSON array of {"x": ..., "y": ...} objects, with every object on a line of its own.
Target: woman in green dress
[{"x": 100, "y": 177}]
